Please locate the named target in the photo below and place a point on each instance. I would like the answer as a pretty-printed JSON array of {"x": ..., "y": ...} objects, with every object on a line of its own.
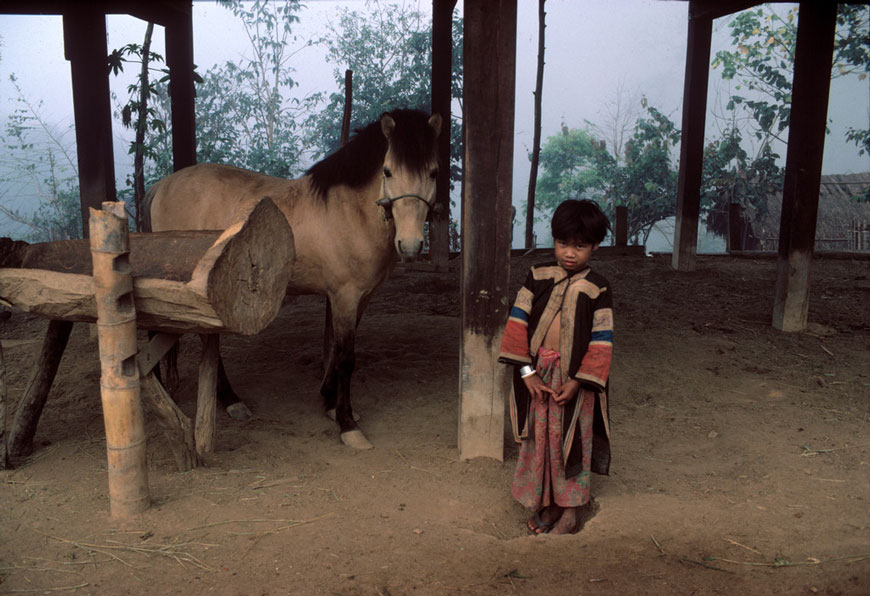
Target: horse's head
[{"x": 408, "y": 184}]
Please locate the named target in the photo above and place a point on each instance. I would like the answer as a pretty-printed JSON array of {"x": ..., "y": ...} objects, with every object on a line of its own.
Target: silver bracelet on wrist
[{"x": 527, "y": 371}]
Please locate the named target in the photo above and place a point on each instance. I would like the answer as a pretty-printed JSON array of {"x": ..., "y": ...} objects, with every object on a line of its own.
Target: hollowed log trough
[{"x": 205, "y": 282}]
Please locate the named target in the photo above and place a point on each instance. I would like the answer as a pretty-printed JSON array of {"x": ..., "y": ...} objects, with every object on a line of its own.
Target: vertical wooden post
[
  {"x": 119, "y": 373},
  {"x": 4, "y": 458},
  {"x": 206, "y": 391},
  {"x": 84, "y": 34},
  {"x": 621, "y": 232},
  {"x": 442, "y": 70},
  {"x": 179, "y": 59},
  {"x": 490, "y": 61},
  {"x": 692, "y": 140},
  {"x": 735, "y": 228},
  {"x": 803, "y": 162}
]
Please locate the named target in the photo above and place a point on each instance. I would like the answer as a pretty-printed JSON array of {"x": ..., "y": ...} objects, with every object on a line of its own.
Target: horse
[{"x": 351, "y": 213}]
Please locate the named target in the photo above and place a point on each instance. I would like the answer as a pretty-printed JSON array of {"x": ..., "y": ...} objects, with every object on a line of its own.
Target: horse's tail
[{"x": 146, "y": 208}]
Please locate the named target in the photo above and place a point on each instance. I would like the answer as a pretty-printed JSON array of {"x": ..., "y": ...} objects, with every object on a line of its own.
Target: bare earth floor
[{"x": 741, "y": 457}]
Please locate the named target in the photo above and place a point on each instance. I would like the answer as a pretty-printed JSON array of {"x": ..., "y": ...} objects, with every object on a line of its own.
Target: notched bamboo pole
[{"x": 119, "y": 373}]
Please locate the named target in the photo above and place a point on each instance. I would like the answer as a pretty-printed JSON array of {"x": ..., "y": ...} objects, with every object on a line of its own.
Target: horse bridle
[{"x": 386, "y": 201}]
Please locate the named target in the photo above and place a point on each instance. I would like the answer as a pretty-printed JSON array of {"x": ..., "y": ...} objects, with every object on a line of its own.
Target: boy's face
[{"x": 573, "y": 254}]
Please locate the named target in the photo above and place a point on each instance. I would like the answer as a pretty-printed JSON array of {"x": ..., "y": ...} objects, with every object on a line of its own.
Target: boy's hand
[
  {"x": 537, "y": 387},
  {"x": 567, "y": 391}
]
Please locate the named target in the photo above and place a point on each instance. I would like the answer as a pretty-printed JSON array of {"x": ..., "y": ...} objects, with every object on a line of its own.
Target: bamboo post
[{"x": 119, "y": 374}]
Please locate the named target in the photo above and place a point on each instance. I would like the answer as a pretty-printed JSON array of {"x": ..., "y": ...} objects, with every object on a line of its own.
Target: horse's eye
[
  {"x": 388, "y": 173},
  {"x": 433, "y": 174}
]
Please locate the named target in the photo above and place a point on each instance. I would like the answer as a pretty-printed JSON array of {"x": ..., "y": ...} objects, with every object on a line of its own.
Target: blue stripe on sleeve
[
  {"x": 602, "y": 336},
  {"x": 518, "y": 313}
]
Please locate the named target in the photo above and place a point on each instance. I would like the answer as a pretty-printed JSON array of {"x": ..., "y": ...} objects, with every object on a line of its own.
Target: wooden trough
[{"x": 205, "y": 282}]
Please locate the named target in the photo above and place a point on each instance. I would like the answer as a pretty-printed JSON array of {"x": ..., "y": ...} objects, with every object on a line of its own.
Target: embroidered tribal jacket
[{"x": 586, "y": 348}]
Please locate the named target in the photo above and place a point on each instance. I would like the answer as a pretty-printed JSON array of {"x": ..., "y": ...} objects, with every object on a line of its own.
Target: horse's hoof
[
  {"x": 331, "y": 414},
  {"x": 239, "y": 411},
  {"x": 355, "y": 439}
]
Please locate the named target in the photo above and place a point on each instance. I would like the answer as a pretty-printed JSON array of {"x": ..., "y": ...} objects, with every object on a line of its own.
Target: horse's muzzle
[{"x": 409, "y": 251}]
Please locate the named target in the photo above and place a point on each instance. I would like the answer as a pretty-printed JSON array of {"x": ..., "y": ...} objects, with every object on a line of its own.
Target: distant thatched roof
[{"x": 838, "y": 212}]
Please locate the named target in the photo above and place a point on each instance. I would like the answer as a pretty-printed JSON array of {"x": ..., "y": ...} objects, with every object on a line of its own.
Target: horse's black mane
[{"x": 412, "y": 142}]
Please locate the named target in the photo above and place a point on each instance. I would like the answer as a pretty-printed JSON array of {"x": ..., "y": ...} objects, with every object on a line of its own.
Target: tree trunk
[
  {"x": 141, "y": 125},
  {"x": 536, "y": 143}
]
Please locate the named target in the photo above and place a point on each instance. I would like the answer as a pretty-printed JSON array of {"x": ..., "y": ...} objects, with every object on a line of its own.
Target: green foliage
[
  {"x": 573, "y": 167},
  {"x": 577, "y": 166},
  {"x": 762, "y": 62},
  {"x": 730, "y": 175},
  {"x": 388, "y": 48}
]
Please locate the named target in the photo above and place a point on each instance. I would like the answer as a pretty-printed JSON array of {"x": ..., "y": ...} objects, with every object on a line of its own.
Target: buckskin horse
[{"x": 350, "y": 214}]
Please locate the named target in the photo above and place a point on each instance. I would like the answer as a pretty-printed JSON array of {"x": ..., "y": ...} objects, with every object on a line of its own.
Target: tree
[
  {"x": 762, "y": 65},
  {"x": 579, "y": 166},
  {"x": 389, "y": 50},
  {"x": 41, "y": 164},
  {"x": 137, "y": 106},
  {"x": 536, "y": 142}
]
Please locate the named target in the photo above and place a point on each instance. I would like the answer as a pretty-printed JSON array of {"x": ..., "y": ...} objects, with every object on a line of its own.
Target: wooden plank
[
  {"x": 156, "y": 348},
  {"x": 176, "y": 425},
  {"x": 490, "y": 60},
  {"x": 692, "y": 143},
  {"x": 803, "y": 163}
]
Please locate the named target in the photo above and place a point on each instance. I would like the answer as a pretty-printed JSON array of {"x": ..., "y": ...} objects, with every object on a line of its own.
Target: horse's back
[{"x": 207, "y": 196}]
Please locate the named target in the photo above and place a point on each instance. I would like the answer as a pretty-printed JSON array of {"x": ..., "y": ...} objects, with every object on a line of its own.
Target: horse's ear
[
  {"x": 435, "y": 123},
  {"x": 388, "y": 125}
]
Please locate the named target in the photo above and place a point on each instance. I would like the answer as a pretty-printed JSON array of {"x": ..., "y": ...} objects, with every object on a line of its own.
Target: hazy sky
[{"x": 593, "y": 47}]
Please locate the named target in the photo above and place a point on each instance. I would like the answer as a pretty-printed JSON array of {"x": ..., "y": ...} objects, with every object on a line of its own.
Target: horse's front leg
[{"x": 340, "y": 366}]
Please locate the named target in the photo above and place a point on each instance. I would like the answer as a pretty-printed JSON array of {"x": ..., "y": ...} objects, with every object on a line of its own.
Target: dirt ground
[{"x": 741, "y": 457}]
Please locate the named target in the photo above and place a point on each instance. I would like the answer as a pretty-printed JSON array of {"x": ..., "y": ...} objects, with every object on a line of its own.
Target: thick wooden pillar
[
  {"x": 803, "y": 163},
  {"x": 179, "y": 58},
  {"x": 490, "y": 64},
  {"x": 442, "y": 70},
  {"x": 84, "y": 36},
  {"x": 692, "y": 140}
]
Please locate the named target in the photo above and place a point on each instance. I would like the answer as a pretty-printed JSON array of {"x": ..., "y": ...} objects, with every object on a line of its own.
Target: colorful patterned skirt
[{"x": 540, "y": 480}]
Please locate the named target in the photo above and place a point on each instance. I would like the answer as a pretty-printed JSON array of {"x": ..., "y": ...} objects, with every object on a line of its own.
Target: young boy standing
[{"x": 559, "y": 338}]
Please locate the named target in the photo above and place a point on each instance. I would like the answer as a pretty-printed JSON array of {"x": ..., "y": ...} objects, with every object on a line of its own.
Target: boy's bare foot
[
  {"x": 568, "y": 523},
  {"x": 542, "y": 521}
]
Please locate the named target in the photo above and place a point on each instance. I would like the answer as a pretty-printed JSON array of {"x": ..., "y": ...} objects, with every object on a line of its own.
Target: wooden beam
[
  {"x": 803, "y": 162},
  {"x": 84, "y": 32},
  {"x": 490, "y": 64},
  {"x": 179, "y": 58},
  {"x": 692, "y": 143},
  {"x": 442, "y": 80}
]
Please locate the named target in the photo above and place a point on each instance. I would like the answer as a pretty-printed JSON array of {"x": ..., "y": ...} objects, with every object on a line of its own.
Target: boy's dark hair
[{"x": 579, "y": 220}]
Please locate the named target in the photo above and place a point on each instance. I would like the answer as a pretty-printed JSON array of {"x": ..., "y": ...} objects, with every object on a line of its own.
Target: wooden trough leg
[
  {"x": 20, "y": 442},
  {"x": 119, "y": 373},
  {"x": 176, "y": 425},
  {"x": 206, "y": 392}
]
